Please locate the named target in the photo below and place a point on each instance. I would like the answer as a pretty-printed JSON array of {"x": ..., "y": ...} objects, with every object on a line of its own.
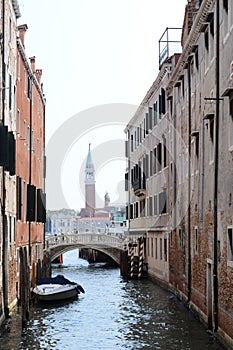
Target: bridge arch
[{"x": 111, "y": 246}]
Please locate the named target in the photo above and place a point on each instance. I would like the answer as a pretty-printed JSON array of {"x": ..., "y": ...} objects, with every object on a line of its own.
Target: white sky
[{"x": 95, "y": 52}]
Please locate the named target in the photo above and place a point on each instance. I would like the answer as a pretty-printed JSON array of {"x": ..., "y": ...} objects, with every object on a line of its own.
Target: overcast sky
[{"x": 95, "y": 52}]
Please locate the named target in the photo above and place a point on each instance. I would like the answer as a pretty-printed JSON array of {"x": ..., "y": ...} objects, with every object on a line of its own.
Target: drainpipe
[
  {"x": 30, "y": 166},
  {"x": 44, "y": 168},
  {"x": 189, "y": 184},
  {"x": 202, "y": 168},
  {"x": 3, "y": 206},
  {"x": 215, "y": 267}
]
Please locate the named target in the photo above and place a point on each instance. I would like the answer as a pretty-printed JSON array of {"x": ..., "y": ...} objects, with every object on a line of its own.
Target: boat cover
[{"x": 59, "y": 279}]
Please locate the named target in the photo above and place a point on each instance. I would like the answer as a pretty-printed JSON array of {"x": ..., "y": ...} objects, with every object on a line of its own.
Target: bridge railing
[{"x": 85, "y": 239}]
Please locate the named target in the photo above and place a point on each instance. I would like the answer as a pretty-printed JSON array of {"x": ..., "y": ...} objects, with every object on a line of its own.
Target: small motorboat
[{"x": 56, "y": 289}]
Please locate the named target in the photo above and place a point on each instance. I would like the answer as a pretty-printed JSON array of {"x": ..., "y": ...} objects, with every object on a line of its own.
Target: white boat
[{"x": 56, "y": 289}]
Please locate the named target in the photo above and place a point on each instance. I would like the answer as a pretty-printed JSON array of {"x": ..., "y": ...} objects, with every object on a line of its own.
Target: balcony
[
  {"x": 169, "y": 44},
  {"x": 139, "y": 186}
]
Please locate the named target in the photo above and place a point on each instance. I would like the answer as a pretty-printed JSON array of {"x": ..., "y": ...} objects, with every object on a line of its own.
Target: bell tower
[{"x": 89, "y": 185}]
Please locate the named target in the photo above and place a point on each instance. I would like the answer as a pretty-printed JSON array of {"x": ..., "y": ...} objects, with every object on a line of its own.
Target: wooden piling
[{"x": 24, "y": 285}]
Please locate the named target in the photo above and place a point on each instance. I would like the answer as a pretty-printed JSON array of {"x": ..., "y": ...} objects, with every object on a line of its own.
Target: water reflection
[{"x": 113, "y": 314}]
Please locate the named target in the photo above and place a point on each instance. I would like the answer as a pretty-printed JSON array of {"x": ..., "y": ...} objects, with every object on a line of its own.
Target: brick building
[
  {"x": 30, "y": 155},
  {"x": 22, "y": 142},
  {"x": 180, "y": 168}
]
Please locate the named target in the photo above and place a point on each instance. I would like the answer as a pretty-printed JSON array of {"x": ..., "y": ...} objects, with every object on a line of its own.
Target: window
[
  {"x": 18, "y": 66},
  {"x": 24, "y": 132},
  {"x": 211, "y": 139},
  {"x": 196, "y": 61},
  {"x": 155, "y": 205},
  {"x": 164, "y": 152},
  {"x": 147, "y": 123},
  {"x": 10, "y": 228},
  {"x": 142, "y": 208},
  {"x": 25, "y": 200},
  {"x": 211, "y": 38},
  {"x": 29, "y": 137},
  {"x": 230, "y": 244},
  {"x": 163, "y": 101},
  {"x": 131, "y": 138},
  {"x": 197, "y": 146},
  {"x": 150, "y": 111},
  {"x": 161, "y": 248},
  {"x": 225, "y": 17},
  {"x": 225, "y": 5},
  {"x": 150, "y": 206},
  {"x": 162, "y": 202},
  {"x": 151, "y": 163},
  {"x": 155, "y": 119},
  {"x": 126, "y": 174},
  {"x": 29, "y": 88},
  {"x": 207, "y": 48},
  {"x": 18, "y": 122},
  {"x": 195, "y": 152},
  {"x": 231, "y": 124},
  {"x": 159, "y": 157},
  {"x": 152, "y": 247},
  {"x": 136, "y": 210},
  {"x": 32, "y": 148},
  {"x": 165, "y": 249},
  {"x": 147, "y": 166},
  {"x": 196, "y": 240},
  {"x": 156, "y": 248},
  {"x": 131, "y": 211},
  {"x": 19, "y": 198},
  {"x": 155, "y": 161},
  {"x": 147, "y": 207}
]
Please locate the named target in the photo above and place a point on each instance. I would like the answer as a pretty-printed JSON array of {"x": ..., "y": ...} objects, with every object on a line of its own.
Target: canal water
[{"x": 113, "y": 314}]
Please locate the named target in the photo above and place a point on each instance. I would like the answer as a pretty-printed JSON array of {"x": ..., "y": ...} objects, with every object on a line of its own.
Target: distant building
[
  {"x": 61, "y": 223},
  {"x": 102, "y": 220}
]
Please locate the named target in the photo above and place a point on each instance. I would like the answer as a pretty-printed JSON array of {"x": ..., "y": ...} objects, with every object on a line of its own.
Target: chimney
[
  {"x": 33, "y": 63},
  {"x": 22, "y": 30},
  {"x": 38, "y": 75}
]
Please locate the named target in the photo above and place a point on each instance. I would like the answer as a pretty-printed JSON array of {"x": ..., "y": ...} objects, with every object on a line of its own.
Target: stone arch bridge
[{"x": 110, "y": 245}]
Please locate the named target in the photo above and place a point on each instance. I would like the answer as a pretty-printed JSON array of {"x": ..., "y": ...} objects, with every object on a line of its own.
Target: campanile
[{"x": 90, "y": 186}]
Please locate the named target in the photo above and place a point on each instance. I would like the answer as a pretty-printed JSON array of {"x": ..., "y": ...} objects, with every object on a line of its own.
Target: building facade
[
  {"x": 9, "y": 14},
  {"x": 21, "y": 159},
  {"x": 30, "y": 156},
  {"x": 180, "y": 170}
]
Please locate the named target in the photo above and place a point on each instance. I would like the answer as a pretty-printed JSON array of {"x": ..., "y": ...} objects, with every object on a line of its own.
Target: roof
[{"x": 89, "y": 158}]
